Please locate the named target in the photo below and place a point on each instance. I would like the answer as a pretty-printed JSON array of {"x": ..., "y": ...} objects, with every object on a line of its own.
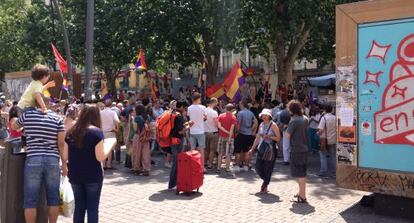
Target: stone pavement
[{"x": 128, "y": 198}]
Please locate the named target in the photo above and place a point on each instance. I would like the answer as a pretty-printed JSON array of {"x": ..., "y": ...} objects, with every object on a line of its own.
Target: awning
[{"x": 322, "y": 81}]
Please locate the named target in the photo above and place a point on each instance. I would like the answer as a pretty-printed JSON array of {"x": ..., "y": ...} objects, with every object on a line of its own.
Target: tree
[
  {"x": 191, "y": 31},
  {"x": 118, "y": 33},
  {"x": 286, "y": 28},
  {"x": 15, "y": 53}
]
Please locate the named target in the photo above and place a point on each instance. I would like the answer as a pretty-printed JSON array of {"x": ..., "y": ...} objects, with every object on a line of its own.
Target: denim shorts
[
  {"x": 38, "y": 170},
  {"x": 198, "y": 141}
]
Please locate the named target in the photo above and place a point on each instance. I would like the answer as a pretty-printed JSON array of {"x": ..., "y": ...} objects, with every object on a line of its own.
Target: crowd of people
[{"x": 81, "y": 139}]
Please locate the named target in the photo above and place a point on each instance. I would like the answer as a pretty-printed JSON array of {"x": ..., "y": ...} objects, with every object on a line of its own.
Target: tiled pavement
[{"x": 127, "y": 198}]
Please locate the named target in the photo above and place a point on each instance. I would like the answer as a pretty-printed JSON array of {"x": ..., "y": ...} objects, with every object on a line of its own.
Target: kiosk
[{"x": 375, "y": 96}]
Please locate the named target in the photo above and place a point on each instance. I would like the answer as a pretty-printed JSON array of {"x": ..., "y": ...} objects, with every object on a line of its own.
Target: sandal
[{"x": 300, "y": 200}]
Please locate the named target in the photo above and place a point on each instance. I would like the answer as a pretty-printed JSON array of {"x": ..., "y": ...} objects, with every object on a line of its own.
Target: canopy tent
[{"x": 325, "y": 81}]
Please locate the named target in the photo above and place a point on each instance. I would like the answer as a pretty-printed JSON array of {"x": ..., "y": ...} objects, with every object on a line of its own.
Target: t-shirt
[
  {"x": 125, "y": 113},
  {"x": 330, "y": 121},
  {"x": 157, "y": 112},
  {"x": 226, "y": 120},
  {"x": 117, "y": 111},
  {"x": 210, "y": 125},
  {"x": 82, "y": 163},
  {"x": 314, "y": 121},
  {"x": 283, "y": 117},
  {"x": 27, "y": 100},
  {"x": 109, "y": 120},
  {"x": 178, "y": 126},
  {"x": 41, "y": 130},
  {"x": 298, "y": 127},
  {"x": 197, "y": 114},
  {"x": 140, "y": 122},
  {"x": 275, "y": 111},
  {"x": 245, "y": 120}
]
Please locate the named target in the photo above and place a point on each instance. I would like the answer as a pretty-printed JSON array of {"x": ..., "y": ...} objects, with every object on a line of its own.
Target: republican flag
[
  {"x": 216, "y": 91},
  {"x": 140, "y": 64},
  {"x": 154, "y": 90},
  {"x": 248, "y": 71},
  {"x": 65, "y": 84},
  {"x": 233, "y": 82},
  {"x": 63, "y": 65}
]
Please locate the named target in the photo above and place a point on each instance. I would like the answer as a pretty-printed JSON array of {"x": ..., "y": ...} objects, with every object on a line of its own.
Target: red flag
[{"x": 62, "y": 62}]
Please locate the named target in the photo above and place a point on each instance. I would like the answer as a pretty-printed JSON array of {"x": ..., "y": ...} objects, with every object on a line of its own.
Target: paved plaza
[{"x": 128, "y": 198}]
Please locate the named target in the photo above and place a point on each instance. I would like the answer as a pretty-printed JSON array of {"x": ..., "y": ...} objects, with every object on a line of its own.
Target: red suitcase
[{"x": 190, "y": 172}]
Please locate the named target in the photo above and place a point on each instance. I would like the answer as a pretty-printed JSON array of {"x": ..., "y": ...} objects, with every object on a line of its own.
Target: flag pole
[
  {"x": 65, "y": 39},
  {"x": 90, "y": 10}
]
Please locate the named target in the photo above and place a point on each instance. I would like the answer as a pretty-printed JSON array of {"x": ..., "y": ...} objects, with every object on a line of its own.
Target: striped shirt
[{"x": 41, "y": 131}]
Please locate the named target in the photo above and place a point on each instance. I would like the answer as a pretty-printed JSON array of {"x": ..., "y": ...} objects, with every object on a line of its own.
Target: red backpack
[{"x": 164, "y": 126}]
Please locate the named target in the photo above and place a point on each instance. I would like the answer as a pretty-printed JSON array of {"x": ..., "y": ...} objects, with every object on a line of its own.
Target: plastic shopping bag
[{"x": 67, "y": 200}]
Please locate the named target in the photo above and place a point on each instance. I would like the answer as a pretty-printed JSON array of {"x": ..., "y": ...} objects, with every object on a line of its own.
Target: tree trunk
[
  {"x": 110, "y": 76},
  {"x": 286, "y": 60},
  {"x": 280, "y": 58},
  {"x": 211, "y": 68}
]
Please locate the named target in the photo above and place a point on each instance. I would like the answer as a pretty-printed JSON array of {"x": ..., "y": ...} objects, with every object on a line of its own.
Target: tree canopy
[
  {"x": 172, "y": 33},
  {"x": 292, "y": 30}
]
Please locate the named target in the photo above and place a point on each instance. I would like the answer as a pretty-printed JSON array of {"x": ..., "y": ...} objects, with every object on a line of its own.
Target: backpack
[{"x": 164, "y": 127}]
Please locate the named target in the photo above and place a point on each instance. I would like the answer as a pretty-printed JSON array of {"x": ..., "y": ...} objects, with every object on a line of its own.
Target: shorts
[
  {"x": 198, "y": 141},
  {"x": 222, "y": 146},
  {"x": 109, "y": 135},
  {"x": 211, "y": 141},
  {"x": 243, "y": 143},
  {"x": 38, "y": 170},
  {"x": 298, "y": 164}
]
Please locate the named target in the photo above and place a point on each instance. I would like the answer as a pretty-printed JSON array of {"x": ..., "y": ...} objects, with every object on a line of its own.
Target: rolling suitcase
[{"x": 190, "y": 172}]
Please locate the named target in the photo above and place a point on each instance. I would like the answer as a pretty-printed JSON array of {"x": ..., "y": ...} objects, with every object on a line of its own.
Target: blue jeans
[
  {"x": 328, "y": 160},
  {"x": 38, "y": 170},
  {"x": 313, "y": 139},
  {"x": 86, "y": 200},
  {"x": 175, "y": 150}
]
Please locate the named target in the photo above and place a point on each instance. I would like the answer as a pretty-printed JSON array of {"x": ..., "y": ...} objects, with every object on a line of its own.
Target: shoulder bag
[{"x": 267, "y": 150}]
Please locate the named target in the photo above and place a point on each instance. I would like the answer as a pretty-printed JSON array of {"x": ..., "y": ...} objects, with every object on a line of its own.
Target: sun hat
[{"x": 266, "y": 112}]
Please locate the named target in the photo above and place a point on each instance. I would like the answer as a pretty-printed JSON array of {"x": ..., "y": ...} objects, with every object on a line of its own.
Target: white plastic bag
[{"x": 67, "y": 200}]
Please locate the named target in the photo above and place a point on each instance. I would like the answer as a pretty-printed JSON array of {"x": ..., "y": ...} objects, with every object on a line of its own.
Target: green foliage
[
  {"x": 14, "y": 55},
  {"x": 183, "y": 32},
  {"x": 188, "y": 31},
  {"x": 300, "y": 29}
]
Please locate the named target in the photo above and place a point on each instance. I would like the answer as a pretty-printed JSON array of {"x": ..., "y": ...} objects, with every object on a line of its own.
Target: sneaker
[
  {"x": 168, "y": 165},
  {"x": 236, "y": 169},
  {"x": 246, "y": 169},
  {"x": 323, "y": 175}
]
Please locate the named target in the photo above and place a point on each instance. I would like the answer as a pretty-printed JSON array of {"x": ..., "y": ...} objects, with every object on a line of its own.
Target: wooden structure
[
  {"x": 375, "y": 79},
  {"x": 17, "y": 82}
]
